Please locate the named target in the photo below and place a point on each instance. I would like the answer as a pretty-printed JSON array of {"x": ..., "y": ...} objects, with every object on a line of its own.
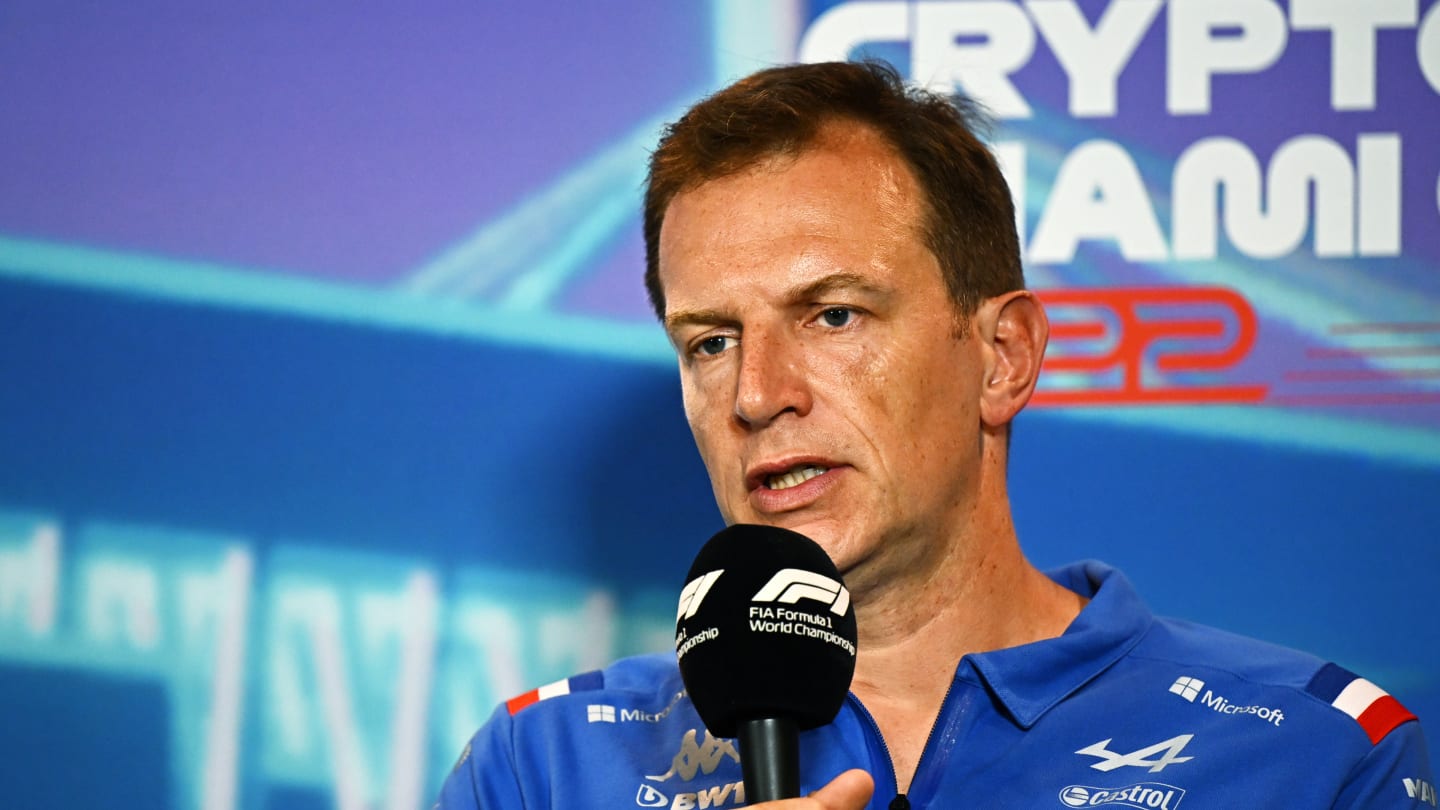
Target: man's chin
[{"x": 824, "y": 532}]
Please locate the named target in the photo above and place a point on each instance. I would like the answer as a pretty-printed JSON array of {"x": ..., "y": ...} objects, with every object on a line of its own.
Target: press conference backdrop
[{"x": 331, "y": 412}]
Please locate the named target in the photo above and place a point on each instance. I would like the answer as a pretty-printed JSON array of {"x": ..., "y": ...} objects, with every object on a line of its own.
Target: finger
[{"x": 848, "y": 791}]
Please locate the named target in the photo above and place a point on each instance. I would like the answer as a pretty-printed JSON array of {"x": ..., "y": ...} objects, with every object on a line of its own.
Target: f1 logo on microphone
[
  {"x": 694, "y": 592},
  {"x": 790, "y": 585}
]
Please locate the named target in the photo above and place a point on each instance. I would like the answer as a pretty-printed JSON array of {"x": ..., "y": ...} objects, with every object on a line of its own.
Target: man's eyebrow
[
  {"x": 817, "y": 289},
  {"x": 834, "y": 282},
  {"x": 695, "y": 317}
]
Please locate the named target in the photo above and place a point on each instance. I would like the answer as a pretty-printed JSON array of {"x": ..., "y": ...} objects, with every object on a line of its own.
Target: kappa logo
[
  {"x": 1109, "y": 760},
  {"x": 695, "y": 757},
  {"x": 1143, "y": 795},
  {"x": 790, "y": 585},
  {"x": 694, "y": 593}
]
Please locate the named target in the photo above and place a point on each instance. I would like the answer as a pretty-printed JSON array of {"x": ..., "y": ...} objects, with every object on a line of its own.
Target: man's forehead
[
  {"x": 841, "y": 138},
  {"x": 853, "y": 166},
  {"x": 845, "y": 203}
]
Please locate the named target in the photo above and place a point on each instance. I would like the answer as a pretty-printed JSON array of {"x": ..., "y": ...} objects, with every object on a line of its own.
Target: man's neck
[{"x": 980, "y": 596}]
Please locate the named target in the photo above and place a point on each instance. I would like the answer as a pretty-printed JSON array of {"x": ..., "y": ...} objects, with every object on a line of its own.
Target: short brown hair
[{"x": 968, "y": 220}]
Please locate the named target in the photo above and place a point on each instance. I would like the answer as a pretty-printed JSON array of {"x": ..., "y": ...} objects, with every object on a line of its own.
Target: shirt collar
[{"x": 1032, "y": 678}]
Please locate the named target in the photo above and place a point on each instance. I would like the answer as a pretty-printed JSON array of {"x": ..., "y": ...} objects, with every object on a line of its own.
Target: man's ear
[{"x": 1014, "y": 331}]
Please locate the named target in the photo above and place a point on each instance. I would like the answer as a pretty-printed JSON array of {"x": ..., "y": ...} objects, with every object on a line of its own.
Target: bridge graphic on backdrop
[{"x": 1300, "y": 352}]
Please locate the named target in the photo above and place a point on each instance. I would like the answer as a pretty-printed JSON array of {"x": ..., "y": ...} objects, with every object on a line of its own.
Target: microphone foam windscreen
[{"x": 765, "y": 628}]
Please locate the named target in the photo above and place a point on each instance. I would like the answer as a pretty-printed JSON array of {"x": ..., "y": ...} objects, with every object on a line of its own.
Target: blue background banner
[{"x": 332, "y": 413}]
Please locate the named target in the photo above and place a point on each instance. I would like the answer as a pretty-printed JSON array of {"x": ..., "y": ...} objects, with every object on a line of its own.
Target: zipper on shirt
[
  {"x": 889, "y": 761},
  {"x": 901, "y": 800}
]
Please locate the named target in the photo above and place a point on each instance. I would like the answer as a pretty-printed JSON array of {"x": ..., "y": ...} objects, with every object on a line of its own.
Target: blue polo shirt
[{"x": 1123, "y": 710}]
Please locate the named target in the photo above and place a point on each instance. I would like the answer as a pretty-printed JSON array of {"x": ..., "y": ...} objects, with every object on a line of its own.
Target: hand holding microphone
[
  {"x": 850, "y": 790},
  {"x": 765, "y": 635}
]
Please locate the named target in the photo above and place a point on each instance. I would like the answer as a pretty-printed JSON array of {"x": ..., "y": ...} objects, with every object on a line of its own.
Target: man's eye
[
  {"x": 837, "y": 316},
  {"x": 716, "y": 344}
]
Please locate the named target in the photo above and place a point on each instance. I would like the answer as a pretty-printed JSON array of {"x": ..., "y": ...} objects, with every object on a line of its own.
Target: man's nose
[{"x": 772, "y": 381}]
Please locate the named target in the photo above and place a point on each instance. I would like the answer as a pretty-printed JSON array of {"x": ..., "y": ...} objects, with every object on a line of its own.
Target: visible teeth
[{"x": 795, "y": 477}]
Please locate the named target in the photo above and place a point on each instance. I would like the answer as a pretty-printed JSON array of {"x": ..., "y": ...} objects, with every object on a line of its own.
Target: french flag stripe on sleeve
[
  {"x": 580, "y": 683},
  {"x": 1372, "y": 707}
]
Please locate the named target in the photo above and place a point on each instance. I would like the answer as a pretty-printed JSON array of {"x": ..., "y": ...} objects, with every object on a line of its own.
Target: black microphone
[{"x": 765, "y": 634}]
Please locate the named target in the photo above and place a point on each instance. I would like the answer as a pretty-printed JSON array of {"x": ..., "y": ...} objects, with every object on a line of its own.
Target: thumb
[{"x": 848, "y": 791}]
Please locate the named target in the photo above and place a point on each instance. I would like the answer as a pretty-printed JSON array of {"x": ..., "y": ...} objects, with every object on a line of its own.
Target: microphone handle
[{"x": 770, "y": 759}]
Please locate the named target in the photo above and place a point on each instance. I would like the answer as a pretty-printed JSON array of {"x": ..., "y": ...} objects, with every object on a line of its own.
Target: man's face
[{"x": 825, "y": 376}]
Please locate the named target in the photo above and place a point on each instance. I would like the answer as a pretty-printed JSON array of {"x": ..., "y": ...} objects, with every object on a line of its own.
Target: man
[{"x": 834, "y": 259}]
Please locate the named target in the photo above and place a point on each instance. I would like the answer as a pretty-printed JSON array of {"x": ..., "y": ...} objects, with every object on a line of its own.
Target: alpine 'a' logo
[
  {"x": 694, "y": 592},
  {"x": 790, "y": 585},
  {"x": 1109, "y": 760}
]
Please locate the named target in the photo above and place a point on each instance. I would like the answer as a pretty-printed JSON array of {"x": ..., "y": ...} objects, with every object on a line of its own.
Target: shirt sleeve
[
  {"x": 1396, "y": 773},
  {"x": 485, "y": 777}
]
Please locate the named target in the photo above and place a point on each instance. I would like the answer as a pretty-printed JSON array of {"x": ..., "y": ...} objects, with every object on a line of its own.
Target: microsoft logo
[
  {"x": 1187, "y": 688},
  {"x": 598, "y": 713}
]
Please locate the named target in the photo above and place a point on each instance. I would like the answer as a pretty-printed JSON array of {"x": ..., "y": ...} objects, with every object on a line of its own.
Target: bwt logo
[
  {"x": 790, "y": 585},
  {"x": 694, "y": 593}
]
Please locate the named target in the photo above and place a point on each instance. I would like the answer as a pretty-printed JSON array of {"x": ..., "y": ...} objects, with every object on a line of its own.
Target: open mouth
[{"x": 794, "y": 477}]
